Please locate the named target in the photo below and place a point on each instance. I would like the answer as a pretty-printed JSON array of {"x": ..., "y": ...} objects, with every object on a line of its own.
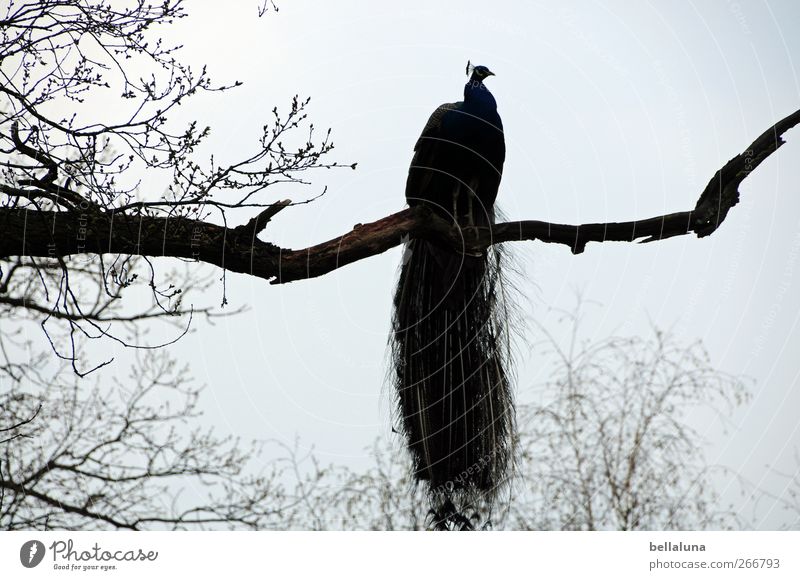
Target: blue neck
[{"x": 477, "y": 96}]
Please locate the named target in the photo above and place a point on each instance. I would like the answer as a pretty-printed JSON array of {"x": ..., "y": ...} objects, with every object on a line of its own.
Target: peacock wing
[{"x": 426, "y": 159}]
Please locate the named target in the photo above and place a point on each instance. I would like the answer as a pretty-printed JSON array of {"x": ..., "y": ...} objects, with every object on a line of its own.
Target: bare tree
[
  {"x": 105, "y": 452},
  {"x": 614, "y": 447},
  {"x": 65, "y": 173},
  {"x": 126, "y": 457}
]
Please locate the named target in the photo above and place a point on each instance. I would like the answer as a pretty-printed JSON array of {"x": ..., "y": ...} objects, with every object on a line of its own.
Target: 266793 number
[{"x": 758, "y": 563}]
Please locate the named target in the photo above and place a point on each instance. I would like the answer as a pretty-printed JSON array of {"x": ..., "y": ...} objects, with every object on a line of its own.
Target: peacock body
[{"x": 450, "y": 342}]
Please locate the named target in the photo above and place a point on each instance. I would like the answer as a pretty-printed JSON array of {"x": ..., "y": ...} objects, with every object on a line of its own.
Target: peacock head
[{"x": 479, "y": 72}]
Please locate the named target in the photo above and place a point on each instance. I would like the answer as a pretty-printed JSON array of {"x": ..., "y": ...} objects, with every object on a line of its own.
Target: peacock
[{"x": 449, "y": 328}]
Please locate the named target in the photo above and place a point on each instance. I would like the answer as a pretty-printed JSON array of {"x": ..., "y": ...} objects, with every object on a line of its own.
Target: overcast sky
[{"x": 612, "y": 111}]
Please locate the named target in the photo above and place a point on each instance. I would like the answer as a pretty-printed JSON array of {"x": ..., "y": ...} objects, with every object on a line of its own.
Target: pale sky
[{"x": 612, "y": 111}]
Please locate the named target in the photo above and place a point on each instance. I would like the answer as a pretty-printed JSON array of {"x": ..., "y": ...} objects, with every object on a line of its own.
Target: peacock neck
[{"x": 477, "y": 96}]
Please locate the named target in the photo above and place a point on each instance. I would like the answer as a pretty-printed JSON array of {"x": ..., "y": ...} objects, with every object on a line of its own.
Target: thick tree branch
[{"x": 58, "y": 234}]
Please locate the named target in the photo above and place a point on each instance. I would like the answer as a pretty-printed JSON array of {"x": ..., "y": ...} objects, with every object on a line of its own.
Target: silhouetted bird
[{"x": 450, "y": 346}]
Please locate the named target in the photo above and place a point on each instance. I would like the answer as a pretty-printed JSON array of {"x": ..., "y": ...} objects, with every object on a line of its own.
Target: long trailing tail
[{"x": 450, "y": 354}]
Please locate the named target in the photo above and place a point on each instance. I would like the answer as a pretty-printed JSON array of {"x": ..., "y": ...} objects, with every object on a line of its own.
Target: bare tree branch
[
  {"x": 49, "y": 234},
  {"x": 121, "y": 457},
  {"x": 67, "y": 164}
]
